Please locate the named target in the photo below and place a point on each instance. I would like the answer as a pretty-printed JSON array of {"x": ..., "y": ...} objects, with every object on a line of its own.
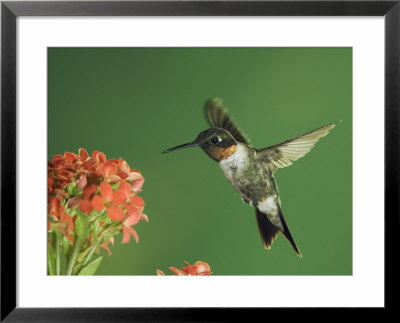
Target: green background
[{"x": 136, "y": 102}]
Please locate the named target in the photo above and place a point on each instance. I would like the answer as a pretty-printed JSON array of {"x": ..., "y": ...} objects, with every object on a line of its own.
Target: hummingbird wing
[
  {"x": 285, "y": 153},
  {"x": 219, "y": 117}
]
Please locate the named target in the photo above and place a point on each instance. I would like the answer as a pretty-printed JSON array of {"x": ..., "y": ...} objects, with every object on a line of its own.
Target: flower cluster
[
  {"x": 90, "y": 199},
  {"x": 200, "y": 268}
]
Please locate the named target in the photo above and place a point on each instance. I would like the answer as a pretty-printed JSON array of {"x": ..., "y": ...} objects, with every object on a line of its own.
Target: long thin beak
[{"x": 189, "y": 144}]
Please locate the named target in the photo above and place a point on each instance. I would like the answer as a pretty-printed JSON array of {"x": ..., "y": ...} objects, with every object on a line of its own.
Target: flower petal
[
  {"x": 74, "y": 202},
  {"x": 89, "y": 164},
  {"x": 53, "y": 207},
  {"x": 114, "y": 178},
  {"x": 190, "y": 270},
  {"x": 134, "y": 176},
  {"x": 108, "y": 169},
  {"x": 160, "y": 272},
  {"x": 126, "y": 237},
  {"x": 112, "y": 160},
  {"x": 62, "y": 213},
  {"x": 70, "y": 157},
  {"x": 106, "y": 191},
  {"x": 144, "y": 217},
  {"x": 125, "y": 187},
  {"x": 133, "y": 233},
  {"x": 83, "y": 154},
  {"x": 99, "y": 156},
  {"x": 124, "y": 166},
  {"x": 57, "y": 159},
  {"x": 178, "y": 272},
  {"x": 118, "y": 197},
  {"x": 82, "y": 181},
  {"x": 68, "y": 223},
  {"x": 122, "y": 175},
  {"x": 97, "y": 203},
  {"x": 115, "y": 213},
  {"x": 137, "y": 201},
  {"x": 202, "y": 267},
  {"x": 104, "y": 245},
  {"x": 86, "y": 206},
  {"x": 69, "y": 237},
  {"x": 137, "y": 185},
  {"x": 132, "y": 219},
  {"x": 89, "y": 191}
]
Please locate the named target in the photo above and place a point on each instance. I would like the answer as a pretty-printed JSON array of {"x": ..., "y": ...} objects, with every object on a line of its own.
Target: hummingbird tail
[{"x": 269, "y": 231}]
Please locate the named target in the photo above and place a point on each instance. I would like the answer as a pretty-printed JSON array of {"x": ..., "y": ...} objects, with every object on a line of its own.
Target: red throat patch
[{"x": 218, "y": 153}]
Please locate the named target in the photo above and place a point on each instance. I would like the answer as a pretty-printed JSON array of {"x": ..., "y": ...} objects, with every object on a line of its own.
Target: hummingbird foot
[{"x": 247, "y": 202}]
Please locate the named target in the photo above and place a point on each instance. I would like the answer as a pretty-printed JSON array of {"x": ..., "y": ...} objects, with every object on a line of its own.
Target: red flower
[
  {"x": 92, "y": 174},
  {"x": 137, "y": 184},
  {"x": 127, "y": 223},
  {"x": 160, "y": 272},
  {"x": 62, "y": 221},
  {"x": 104, "y": 245},
  {"x": 109, "y": 200},
  {"x": 85, "y": 205},
  {"x": 82, "y": 181},
  {"x": 74, "y": 202},
  {"x": 127, "y": 229},
  {"x": 89, "y": 191},
  {"x": 99, "y": 157},
  {"x": 200, "y": 268},
  {"x": 128, "y": 174},
  {"x": 66, "y": 224},
  {"x": 134, "y": 207},
  {"x": 83, "y": 155},
  {"x": 109, "y": 172}
]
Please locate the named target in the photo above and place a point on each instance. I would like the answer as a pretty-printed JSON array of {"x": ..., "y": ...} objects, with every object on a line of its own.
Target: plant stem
[
  {"x": 112, "y": 229},
  {"x": 75, "y": 253},
  {"x": 51, "y": 257},
  {"x": 90, "y": 254},
  {"x": 58, "y": 270},
  {"x": 88, "y": 257}
]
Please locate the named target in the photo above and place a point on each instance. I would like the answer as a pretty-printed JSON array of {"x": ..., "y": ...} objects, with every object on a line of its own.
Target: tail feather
[{"x": 269, "y": 231}]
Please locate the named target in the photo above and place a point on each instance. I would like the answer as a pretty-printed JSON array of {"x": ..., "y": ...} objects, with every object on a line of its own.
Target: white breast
[{"x": 233, "y": 165}]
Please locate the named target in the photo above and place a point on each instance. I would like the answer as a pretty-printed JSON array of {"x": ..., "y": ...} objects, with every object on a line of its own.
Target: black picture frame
[{"x": 11, "y": 10}]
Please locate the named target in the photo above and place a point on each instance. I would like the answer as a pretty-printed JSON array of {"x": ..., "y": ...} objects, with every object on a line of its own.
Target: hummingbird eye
[{"x": 214, "y": 140}]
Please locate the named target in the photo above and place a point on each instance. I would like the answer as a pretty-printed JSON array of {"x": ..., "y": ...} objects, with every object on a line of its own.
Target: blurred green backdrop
[{"x": 136, "y": 102}]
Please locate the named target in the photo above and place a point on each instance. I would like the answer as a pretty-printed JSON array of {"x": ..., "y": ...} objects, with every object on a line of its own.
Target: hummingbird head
[{"x": 216, "y": 143}]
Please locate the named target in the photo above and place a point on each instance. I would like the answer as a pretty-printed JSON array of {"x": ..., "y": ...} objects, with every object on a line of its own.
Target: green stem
[
  {"x": 75, "y": 253},
  {"x": 58, "y": 266},
  {"x": 90, "y": 254},
  {"x": 87, "y": 259},
  {"x": 112, "y": 229}
]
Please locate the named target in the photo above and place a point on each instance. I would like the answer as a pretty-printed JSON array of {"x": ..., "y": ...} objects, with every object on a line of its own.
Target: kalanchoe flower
[
  {"x": 92, "y": 198},
  {"x": 109, "y": 200},
  {"x": 61, "y": 220},
  {"x": 109, "y": 172},
  {"x": 104, "y": 245},
  {"x": 159, "y": 272},
  {"x": 200, "y": 268}
]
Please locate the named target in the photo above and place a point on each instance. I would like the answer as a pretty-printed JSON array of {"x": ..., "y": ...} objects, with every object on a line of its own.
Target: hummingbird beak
[{"x": 189, "y": 144}]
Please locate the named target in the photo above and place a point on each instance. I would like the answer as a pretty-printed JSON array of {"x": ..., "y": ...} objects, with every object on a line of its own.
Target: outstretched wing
[
  {"x": 218, "y": 117},
  {"x": 285, "y": 153}
]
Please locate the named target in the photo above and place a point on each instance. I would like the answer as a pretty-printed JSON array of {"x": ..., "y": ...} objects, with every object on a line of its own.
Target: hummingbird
[{"x": 251, "y": 171}]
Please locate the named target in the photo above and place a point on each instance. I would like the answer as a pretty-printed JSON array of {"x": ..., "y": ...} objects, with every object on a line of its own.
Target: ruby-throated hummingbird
[{"x": 251, "y": 170}]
